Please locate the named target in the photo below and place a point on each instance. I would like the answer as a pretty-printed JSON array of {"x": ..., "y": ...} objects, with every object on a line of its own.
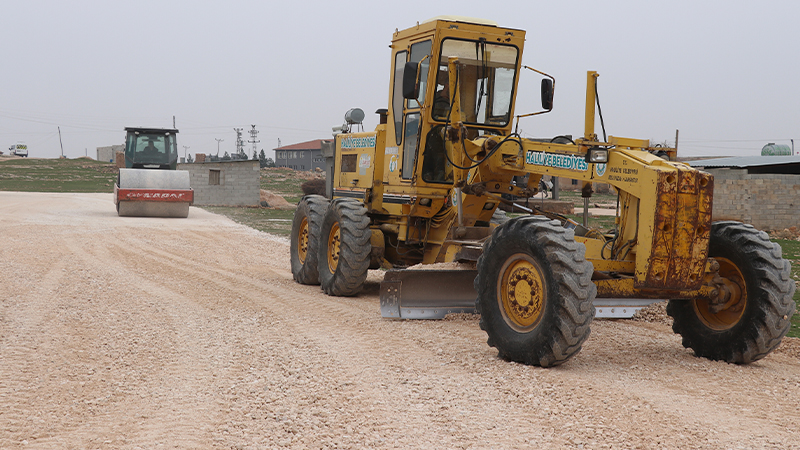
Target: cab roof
[{"x": 151, "y": 130}]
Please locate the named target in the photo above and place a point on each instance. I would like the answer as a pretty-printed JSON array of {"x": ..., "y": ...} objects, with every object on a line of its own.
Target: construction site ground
[{"x": 190, "y": 333}]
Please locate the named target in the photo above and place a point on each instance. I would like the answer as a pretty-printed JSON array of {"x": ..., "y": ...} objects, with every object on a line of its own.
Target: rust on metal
[
  {"x": 681, "y": 230},
  {"x": 624, "y": 288}
]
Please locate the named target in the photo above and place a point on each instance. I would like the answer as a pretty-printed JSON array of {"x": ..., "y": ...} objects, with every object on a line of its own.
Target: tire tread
[{"x": 772, "y": 305}]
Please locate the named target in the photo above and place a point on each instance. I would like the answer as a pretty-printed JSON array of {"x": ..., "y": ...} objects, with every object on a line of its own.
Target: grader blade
[
  {"x": 427, "y": 294},
  {"x": 433, "y": 294},
  {"x": 619, "y": 308}
]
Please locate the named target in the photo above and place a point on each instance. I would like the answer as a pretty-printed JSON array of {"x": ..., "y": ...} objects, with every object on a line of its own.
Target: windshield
[
  {"x": 152, "y": 148},
  {"x": 485, "y": 81}
]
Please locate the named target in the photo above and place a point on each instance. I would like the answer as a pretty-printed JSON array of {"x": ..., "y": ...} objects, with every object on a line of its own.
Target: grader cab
[{"x": 423, "y": 188}]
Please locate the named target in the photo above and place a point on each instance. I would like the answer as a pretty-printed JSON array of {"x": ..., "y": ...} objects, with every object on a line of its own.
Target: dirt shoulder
[{"x": 190, "y": 333}]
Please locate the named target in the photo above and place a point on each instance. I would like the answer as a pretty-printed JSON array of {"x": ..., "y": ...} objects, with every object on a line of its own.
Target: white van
[{"x": 19, "y": 149}]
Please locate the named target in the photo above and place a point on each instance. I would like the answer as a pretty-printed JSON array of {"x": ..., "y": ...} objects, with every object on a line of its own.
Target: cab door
[{"x": 406, "y": 113}]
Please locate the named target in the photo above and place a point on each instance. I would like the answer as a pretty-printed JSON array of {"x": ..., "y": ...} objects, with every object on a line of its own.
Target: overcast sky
[{"x": 724, "y": 73}]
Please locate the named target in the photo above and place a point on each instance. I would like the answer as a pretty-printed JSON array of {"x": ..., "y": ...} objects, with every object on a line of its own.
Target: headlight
[{"x": 597, "y": 155}]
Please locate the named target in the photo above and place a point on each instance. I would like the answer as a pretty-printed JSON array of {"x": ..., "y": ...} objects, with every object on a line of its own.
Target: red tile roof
[{"x": 310, "y": 145}]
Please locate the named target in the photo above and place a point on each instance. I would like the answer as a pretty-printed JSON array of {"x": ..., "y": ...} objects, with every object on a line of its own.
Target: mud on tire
[
  {"x": 535, "y": 292},
  {"x": 344, "y": 251},
  {"x": 755, "y": 329},
  {"x": 304, "y": 245}
]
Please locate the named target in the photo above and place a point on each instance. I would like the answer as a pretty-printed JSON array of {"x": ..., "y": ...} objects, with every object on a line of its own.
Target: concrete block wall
[
  {"x": 769, "y": 202},
  {"x": 239, "y": 183}
]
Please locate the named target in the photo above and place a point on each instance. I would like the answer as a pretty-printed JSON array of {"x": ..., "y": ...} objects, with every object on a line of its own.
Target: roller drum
[
  {"x": 153, "y": 179},
  {"x": 155, "y": 193}
]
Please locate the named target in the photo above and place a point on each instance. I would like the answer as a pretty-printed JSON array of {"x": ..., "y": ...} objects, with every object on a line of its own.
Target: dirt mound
[
  {"x": 274, "y": 200},
  {"x": 791, "y": 233},
  {"x": 790, "y": 347},
  {"x": 654, "y": 313}
]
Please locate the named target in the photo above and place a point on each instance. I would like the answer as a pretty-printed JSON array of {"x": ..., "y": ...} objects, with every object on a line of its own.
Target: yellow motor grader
[{"x": 422, "y": 189}]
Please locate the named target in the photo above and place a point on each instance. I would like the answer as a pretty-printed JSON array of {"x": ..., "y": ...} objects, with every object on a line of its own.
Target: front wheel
[
  {"x": 535, "y": 292},
  {"x": 757, "y": 314},
  {"x": 344, "y": 251}
]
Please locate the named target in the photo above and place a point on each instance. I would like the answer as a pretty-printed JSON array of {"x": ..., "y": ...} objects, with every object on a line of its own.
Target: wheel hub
[
  {"x": 727, "y": 308},
  {"x": 334, "y": 240},
  {"x": 522, "y": 293},
  {"x": 302, "y": 240}
]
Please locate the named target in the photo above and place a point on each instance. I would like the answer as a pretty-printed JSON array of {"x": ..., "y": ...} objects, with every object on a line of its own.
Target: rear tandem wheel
[
  {"x": 535, "y": 292},
  {"x": 304, "y": 244},
  {"x": 758, "y": 314}
]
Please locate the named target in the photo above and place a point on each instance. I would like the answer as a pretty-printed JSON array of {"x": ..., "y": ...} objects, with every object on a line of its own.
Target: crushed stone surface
[{"x": 190, "y": 333}]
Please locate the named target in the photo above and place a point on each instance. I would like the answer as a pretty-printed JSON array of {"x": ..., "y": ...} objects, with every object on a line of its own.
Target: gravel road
[{"x": 190, "y": 333}]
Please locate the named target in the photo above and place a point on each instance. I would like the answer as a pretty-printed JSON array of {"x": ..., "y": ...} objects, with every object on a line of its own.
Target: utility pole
[
  {"x": 185, "y": 147},
  {"x": 218, "y": 141},
  {"x": 253, "y": 134},
  {"x": 61, "y": 143}
]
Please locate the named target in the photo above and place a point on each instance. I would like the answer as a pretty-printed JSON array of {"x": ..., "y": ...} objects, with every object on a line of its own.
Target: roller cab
[{"x": 149, "y": 185}]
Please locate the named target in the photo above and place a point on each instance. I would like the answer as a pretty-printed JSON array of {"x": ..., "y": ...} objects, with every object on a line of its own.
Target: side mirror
[
  {"x": 410, "y": 82},
  {"x": 547, "y": 94}
]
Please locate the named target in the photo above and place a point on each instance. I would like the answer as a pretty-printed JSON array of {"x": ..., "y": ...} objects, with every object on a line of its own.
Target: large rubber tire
[
  {"x": 344, "y": 251},
  {"x": 499, "y": 217},
  {"x": 304, "y": 244},
  {"x": 535, "y": 292},
  {"x": 753, "y": 325}
]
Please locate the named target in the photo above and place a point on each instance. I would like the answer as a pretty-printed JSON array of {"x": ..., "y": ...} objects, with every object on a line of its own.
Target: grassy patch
[
  {"x": 602, "y": 223},
  {"x": 791, "y": 251},
  {"x": 271, "y": 221},
  {"x": 284, "y": 182},
  {"x": 56, "y": 175}
]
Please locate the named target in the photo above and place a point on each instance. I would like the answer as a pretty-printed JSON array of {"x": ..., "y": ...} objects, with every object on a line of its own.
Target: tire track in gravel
[
  {"x": 648, "y": 366},
  {"x": 24, "y": 316},
  {"x": 163, "y": 329},
  {"x": 348, "y": 343},
  {"x": 338, "y": 334},
  {"x": 183, "y": 410}
]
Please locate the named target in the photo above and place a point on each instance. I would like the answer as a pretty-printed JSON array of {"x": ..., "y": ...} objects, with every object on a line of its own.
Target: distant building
[
  {"x": 108, "y": 154},
  {"x": 302, "y": 156},
  {"x": 759, "y": 190}
]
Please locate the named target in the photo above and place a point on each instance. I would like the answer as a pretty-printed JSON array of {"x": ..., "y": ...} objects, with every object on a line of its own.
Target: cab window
[
  {"x": 410, "y": 145},
  {"x": 397, "y": 95},
  {"x": 485, "y": 81},
  {"x": 419, "y": 51}
]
